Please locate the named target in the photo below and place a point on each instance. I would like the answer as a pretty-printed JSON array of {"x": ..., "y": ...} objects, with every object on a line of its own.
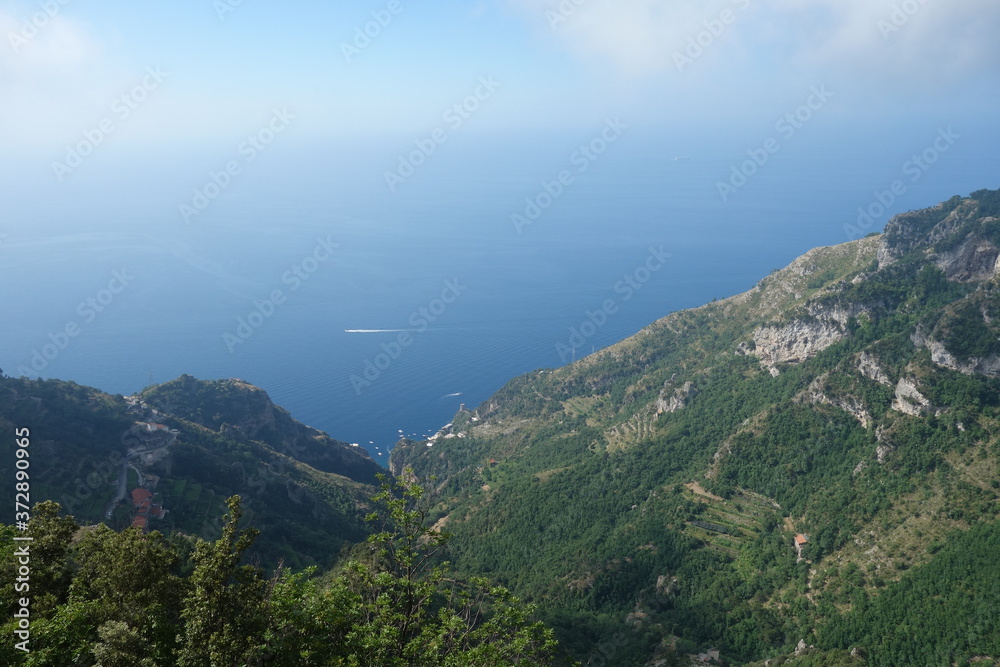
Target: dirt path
[{"x": 695, "y": 487}]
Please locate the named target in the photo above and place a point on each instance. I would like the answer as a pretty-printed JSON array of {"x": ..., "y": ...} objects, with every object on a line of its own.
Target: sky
[
  {"x": 112, "y": 114},
  {"x": 709, "y": 67},
  {"x": 116, "y": 116}
]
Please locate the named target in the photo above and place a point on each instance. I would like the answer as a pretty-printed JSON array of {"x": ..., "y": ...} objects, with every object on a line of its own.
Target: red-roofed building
[
  {"x": 140, "y": 496},
  {"x": 799, "y": 542},
  {"x": 142, "y": 500}
]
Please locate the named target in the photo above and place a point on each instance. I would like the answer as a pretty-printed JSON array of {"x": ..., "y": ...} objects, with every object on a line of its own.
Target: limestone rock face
[
  {"x": 839, "y": 313},
  {"x": 678, "y": 400},
  {"x": 987, "y": 366},
  {"x": 974, "y": 260},
  {"x": 803, "y": 338},
  {"x": 794, "y": 342},
  {"x": 853, "y": 406},
  {"x": 666, "y": 584},
  {"x": 970, "y": 259},
  {"x": 908, "y": 399},
  {"x": 869, "y": 367},
  {"x": 883, "y": 447},
  {"x": 905, "y": 233}
]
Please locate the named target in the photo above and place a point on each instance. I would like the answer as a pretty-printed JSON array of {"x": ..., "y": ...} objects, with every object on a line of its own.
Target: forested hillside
[
  {"x": 647, "y": 496},
  {"x": 103, "y": 598},
  {"x": 307, "y": 492},
  {"x": 805, "y": 473}
]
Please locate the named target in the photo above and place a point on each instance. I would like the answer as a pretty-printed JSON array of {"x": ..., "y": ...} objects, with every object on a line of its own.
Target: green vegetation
[
  {"x": 642, "y": 501},
  {"x": 243, "y": 412},
  {"x": 946, "y": 612},
  {"x": 964, "y": 328},
  {"x": 80, "y": 436},
  {"x": 572, "y": 486},
  {"x": 126, "y": 598}
]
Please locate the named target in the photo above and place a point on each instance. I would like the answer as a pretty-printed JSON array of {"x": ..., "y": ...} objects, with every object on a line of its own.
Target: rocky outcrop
[
  {"x": 884, "y": 446},
  {"x": 677, "y": 401},
  {"x": 839, "y": 313},
  {"x": 724, "y": 450},
  {"x": 849, "y": 404},
  {"x": 794, "y": 342},
  {"x": 963, "y": 259},
  {"x": 976, "y": 259},
  {"x": 908, "y": 399},
  {"x": 805, "y": 337},
  {"x": 869, "y": 367},
  {"x": 785, "y": 288},
  {"x": 986, "y": 366},
  {"x": 907, "y": 232},
  {"x": 666, "y": 584}
]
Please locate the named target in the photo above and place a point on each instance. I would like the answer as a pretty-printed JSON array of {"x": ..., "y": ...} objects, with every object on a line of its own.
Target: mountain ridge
[
  {"x": 646, "y": 496},
  {"x": 305, "y": 490},
  {"x": 835, "y": 398}
]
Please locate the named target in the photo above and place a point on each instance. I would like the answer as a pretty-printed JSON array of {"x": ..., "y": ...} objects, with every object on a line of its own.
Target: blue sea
[{"x": 432, "y": 289}]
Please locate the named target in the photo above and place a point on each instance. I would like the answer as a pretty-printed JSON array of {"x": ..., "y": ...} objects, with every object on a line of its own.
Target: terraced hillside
[{"x": 647, "y": 495}]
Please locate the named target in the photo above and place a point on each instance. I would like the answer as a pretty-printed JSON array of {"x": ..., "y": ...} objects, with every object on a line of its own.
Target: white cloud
[
  {"x": 936, "y": 42},
  {"x": 45, "y": 72},
  {"x": 636, "y": 35},
  {"x": 906, "y": 42},
  {"x": 59, "y": 44}
]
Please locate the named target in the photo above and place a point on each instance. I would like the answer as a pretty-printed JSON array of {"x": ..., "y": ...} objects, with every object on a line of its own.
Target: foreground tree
[
  {"x": 225, "y": 613},
  {"x": 400, "y": 606},
  {"x": 112, "y": 599},
  {"x": 412, "y": 611}
]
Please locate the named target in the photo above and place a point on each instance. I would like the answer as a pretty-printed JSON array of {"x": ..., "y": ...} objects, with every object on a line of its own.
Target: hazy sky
[
  {"x": 154, "y": 96},
  {"x": 228, "y": 63}
]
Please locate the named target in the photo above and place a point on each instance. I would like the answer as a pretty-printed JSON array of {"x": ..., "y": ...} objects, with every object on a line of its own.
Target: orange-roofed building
[
  {"x": 140, "y": 522},
  {"x": 140, "y": 496},
  {"x": 799, "y": 542}
]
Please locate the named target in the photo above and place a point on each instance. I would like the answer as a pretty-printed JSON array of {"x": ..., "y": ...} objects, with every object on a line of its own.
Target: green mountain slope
[
  {"x": 244, "y": 412},
  {"x": 647, "y": 496},
  {"x": 305, "y": 491}
]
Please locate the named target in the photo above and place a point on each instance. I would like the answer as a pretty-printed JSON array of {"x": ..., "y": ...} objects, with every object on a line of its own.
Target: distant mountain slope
[
  {"x": 305, "y": 491},
  {"x": 244, "y": 412},
  {"x": 647, "y": 495}
]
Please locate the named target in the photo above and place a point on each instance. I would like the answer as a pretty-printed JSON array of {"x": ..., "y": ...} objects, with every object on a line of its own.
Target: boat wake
[{"x": 378, "y": 330}]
